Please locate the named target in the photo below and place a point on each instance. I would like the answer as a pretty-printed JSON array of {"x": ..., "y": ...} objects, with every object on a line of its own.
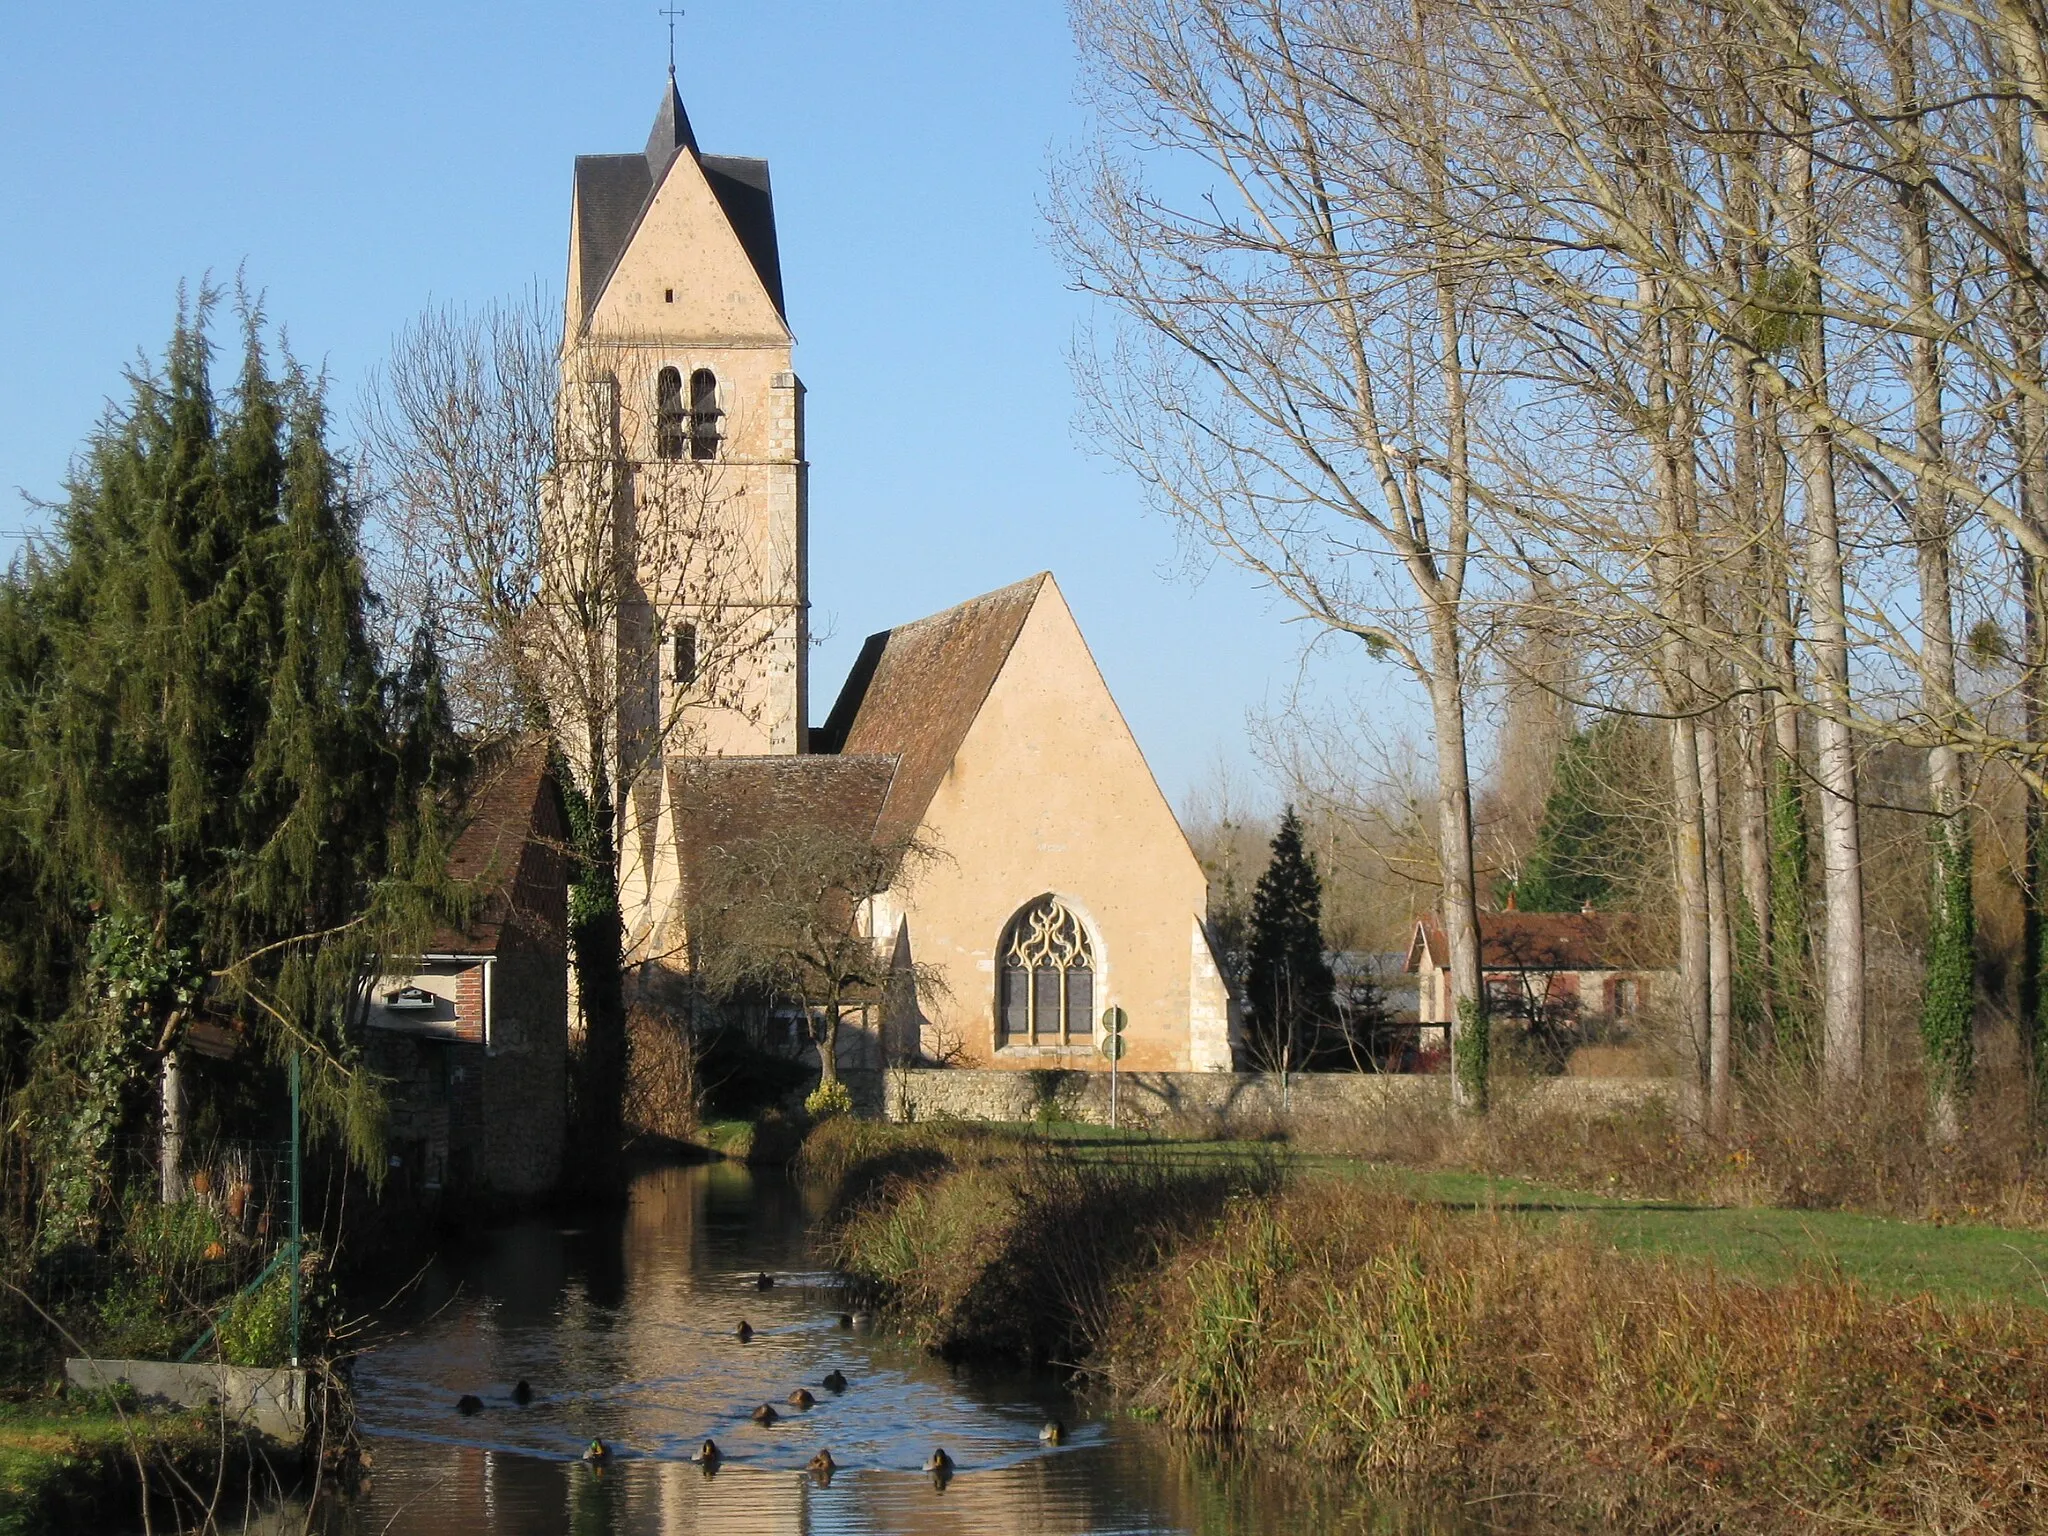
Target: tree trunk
[
  {"x": 828, "y": 1048},
  {"x": 1470, "y": 1044},
  {"x": 171, "y": 1148},
  {"x": 1948, "y": 1003},
  {"x": 1835, "y": 754}
]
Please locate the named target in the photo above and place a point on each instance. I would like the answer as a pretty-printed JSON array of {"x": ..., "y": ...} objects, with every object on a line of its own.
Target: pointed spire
[{"x": 671, "y": 131}]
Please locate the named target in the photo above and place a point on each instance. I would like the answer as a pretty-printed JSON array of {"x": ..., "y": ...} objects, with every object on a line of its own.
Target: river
[{"x": 626, "y": 1329}]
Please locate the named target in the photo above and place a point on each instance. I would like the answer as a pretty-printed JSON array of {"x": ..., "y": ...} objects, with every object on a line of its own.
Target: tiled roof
[
  {"x": 509, "y": 844},
  {"x": 1549, "y": 941},
  {"x": 613, "y": 193},
  {"x": 916, "y": 689},
  {"x": 727, "y": 802}
]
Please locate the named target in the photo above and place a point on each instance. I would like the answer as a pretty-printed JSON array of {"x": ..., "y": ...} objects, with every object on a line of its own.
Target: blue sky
[{"x": 367, "y": 159}]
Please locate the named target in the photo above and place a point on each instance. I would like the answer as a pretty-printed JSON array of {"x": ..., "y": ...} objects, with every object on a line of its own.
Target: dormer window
[
  {"x": 704, "y": 414},
  {"x": 669, "y": 425}
]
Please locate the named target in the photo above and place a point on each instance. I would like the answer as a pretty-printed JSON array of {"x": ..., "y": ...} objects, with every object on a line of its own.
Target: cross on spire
[{"x": 671, "y": 12}]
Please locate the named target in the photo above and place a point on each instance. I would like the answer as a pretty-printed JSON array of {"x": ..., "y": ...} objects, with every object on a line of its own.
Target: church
[{"x": 1058, "y": 884}]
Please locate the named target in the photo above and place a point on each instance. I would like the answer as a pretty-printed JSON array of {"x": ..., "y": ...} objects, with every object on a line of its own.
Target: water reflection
[{"x": 626, "y": 1330}]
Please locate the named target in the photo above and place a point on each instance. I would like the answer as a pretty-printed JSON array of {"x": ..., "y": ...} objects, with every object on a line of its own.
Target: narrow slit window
[
  {"x": 683, "y": 655},
  {"x": 705, "y": 425},
  {"x": 669, "y": 426}
]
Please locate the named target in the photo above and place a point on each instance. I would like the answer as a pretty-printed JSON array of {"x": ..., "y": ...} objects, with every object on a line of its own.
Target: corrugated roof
[
  {"x": 1550, "y": 941},
  {"x": 916, "y": 689},
  {"x": 613, "y": 193}
]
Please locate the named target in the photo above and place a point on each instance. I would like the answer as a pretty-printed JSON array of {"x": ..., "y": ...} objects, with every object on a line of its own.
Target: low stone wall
[
  {"x": 270, "y": 1402},
  {"x": 1249, "y": 1098}
]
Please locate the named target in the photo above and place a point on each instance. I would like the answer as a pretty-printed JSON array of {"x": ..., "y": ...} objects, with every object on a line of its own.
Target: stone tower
[{"x": 675, "y": 347}]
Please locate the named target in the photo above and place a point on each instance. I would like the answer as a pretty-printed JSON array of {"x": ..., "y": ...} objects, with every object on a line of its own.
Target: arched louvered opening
[
  {"x": 670, "y": 427},
  {"x": 1046, "y": 985},
  {"x": 704, "y": 414}
]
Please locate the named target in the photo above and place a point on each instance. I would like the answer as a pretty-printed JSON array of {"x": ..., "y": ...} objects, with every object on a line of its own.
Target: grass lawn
[{"x": 1896, "y": 1258}]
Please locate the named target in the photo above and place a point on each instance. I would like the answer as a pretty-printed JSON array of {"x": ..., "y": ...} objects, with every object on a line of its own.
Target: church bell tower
[{"x": 677, "y": 351}]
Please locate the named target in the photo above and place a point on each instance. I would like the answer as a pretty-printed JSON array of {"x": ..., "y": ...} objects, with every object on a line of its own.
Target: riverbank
[
  {"x": 1344, "y": 1321},
  {"x": 81, "y": 1466}
]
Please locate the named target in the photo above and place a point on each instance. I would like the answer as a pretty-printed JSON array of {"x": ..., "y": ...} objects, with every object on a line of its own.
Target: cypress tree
[
  {"x": 220, "y": 815},
  {"x": 1582, "y": 847},
  {"x": 1289, "y": 990}
]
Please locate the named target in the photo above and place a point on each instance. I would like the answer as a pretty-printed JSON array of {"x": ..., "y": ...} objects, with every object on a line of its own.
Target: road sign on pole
[{"x": 1114, "y": 1020}]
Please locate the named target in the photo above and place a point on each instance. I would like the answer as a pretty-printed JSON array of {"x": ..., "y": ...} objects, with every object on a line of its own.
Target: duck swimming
[
  {"x": 846, "y": 1319},
  {"x": 939, "y": 1464},
  {"x": 766, "y": 1414},
  {"x": 801, "y": 1398},
  {"x": 707, "y": 1454},
  {"x": 597, "y": 1452},
  {"x": 1054, "y": 1433},
  {"x": 836, "y": 1382},
  {"x": 822, "y": 1466},
  {"x": 522, "y": 1393},
  {"x": 745, "y": 1331},
  {"x": 764, "y": 1281},
  {"x": 469, "y": 1403}
]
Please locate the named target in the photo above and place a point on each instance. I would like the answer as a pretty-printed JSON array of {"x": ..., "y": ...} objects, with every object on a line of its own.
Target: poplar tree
[{"x": 1288, "y": 984}]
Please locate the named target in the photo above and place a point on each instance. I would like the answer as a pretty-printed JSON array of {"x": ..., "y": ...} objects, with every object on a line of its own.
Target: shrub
[
  {"x": 829, "y": 1099},
  {"x": 256, "y": 1329}
]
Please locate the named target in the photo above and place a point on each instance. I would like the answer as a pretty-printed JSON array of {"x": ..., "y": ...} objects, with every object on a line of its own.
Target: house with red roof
[{"x": 1577, "y": 979}]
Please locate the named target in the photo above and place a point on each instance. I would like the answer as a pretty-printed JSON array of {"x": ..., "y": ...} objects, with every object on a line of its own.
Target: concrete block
[{"x": 272, "y": 1402}]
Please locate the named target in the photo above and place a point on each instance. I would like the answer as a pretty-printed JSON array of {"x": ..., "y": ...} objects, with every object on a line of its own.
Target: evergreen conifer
[{"x": 1289, "y": 989}]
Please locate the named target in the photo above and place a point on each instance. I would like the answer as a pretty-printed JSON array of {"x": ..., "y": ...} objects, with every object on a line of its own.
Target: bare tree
[
  {"x": 577, "y": 575},
  {"x": 787, "y": 914},
  {"x": 1291, "y": 376}
]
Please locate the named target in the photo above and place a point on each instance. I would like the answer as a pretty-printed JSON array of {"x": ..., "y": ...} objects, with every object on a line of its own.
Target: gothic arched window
[
  {"x": 1047, "y": 978},
  {"x": 668, "y": 415},
  {"x": 704, "y": 414}
]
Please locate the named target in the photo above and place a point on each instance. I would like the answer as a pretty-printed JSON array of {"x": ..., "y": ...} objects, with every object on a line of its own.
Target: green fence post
[{"x": 296, "y": 1267}]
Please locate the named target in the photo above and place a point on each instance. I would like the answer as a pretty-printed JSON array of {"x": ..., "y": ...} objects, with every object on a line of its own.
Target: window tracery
[{"x": 1048, "y": 977}]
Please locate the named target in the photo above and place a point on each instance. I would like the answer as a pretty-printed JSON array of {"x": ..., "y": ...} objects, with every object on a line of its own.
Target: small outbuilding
[
  {"x": 1579, "y": 982},
  {"x": 474, "y": 1034}
]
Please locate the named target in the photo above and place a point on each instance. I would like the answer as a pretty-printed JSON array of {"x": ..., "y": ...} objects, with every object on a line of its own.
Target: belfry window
[
  {"x": 704, "y": 414},
  {"x": 1047, "y": 985},
  {"x": 668, "y": 415}
]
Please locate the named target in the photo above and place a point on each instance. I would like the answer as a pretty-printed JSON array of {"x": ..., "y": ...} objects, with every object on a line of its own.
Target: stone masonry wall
[{"x": 1152, "y": 1098}]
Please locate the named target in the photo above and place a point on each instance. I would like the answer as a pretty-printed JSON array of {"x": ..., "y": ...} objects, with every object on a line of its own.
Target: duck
[
  {"x": 1054, "y": 1432},
  {"x": 597, "y": 1452},
  {"x": 707, "y": 1454},
  {"x": 939, "y": 1464},
  {"x": 766, "y": 1414},
  {"x": 469, "y": 1403},
  {"x": 846, "y": 1319},
  {"x": 801, "y": 1398},
  {"x": 822, "y": 1466},
  {"x": 522, "y": 1392},
  {"x": 764, "y": 1281},
  {"x": 835, "y": 1382},
  {"x": 745, "y": 1331},
  {"x": 862, "y": 1321}
]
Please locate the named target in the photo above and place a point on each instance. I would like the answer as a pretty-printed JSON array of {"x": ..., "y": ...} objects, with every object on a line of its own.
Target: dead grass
[
  {"x": 985, "y": 1244},
  {"x": 1345, "y": 1323},
  {"x": 1786, "y": 1146}
]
